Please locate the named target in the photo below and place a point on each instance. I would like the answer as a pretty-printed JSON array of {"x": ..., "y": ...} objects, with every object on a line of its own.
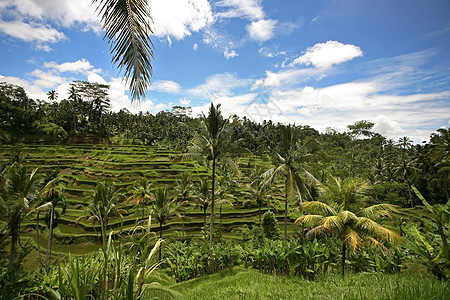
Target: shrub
[{"x": 270, "y": 226}]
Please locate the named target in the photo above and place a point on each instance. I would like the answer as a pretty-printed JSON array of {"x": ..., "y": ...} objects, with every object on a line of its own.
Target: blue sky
[{"x": 313, "y": 62}]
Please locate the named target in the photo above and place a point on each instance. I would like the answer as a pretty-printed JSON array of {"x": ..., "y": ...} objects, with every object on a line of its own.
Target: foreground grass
[{"x": 250, "y": 284}]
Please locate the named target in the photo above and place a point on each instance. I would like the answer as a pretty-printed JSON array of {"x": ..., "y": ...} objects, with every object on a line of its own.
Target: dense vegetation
[{"x": 79, "y": 182}]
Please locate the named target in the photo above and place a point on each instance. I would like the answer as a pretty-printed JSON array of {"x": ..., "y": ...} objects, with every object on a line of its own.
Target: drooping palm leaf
[{"x": 127, "y": 26}]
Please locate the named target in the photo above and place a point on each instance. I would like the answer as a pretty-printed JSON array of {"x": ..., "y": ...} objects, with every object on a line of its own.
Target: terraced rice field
[{"x": 84, "y": 165}]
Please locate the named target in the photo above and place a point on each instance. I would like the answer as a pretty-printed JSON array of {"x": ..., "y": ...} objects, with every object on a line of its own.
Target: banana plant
[{"x": 440, "y": 215}]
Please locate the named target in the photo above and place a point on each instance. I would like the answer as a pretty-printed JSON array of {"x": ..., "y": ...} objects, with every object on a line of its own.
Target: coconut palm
[
  {"x": 52, "y": 95},
  {"x": 203, "y": 199},
  {"x": 18, "y": 191},
  {"x": 292, "y": 167},
  {"x": 162, "y": 208},
  {"x": 407, "y": 166},
  {"x": 102, "y": 205},
  {"x": 184, "y": 187},
  {"x": 345, "y": 215},
  {"x": 127, "y": 28},
  {"x": 141, "y": 194},
  {"x": 213, "y": 140},
  {"x": 53, "y": 199}
]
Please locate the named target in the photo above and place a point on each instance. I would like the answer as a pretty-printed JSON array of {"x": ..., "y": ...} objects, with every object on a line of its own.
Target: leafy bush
[{"x": 270, "y": 226}]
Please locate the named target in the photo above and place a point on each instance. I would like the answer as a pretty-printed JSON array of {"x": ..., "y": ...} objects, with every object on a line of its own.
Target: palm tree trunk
[
  {"x": 13, "y": 252},
  {"x": 37, "y": 240},
  {"x": 259, "y": 212},
  {"x": 160, "y": 236},
  {"x": 49, "y": 243},
  {"x": 204, "y": 223},
  {"x": 220, "y": 218},
  {"x": 344, "y": 250},
  {"x": 211, "y": 227},
  {"x": 285, "y": 210}
]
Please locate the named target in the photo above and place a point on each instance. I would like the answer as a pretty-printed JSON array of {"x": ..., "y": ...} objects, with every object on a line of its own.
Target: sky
[{"x": 322, "y": 63}]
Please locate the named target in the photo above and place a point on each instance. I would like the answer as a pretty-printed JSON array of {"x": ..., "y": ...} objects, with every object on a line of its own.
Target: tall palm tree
[
  {"x": 203, "y": 199},
  {"x": 184, "y": 188},
  {"x": 102, "y": 205},
  {"x": 292, "y": 167},
  {"x": 163, "y": 208},
  {"x": 17, "y": 191},
  {"x": 344, "y": 214},
  {"x": 127, "y": 29},
  {"x": 213, "y": 141},
  {"x": 141, "y": 194},
  {"x": 53, "y": 199},
  {"x": 407, "y": 166}
]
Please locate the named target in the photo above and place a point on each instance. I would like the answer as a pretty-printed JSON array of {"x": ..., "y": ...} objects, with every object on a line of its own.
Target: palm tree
[
  {"x": 52, "y": 95},
  {"x": 345, "y": 216},
  {"x": 203, "y": 199},
  {"x": 141, "y": 194},
  {"x": 184, "y": 188},
  {"x": 407, "y": 166},
  {"x": 163, "y": 208},
  {"x": 213, "y": 139},
  {"x": 102, "y": 205},
  {"x": 53, "y": 199},
  {"x": 17, "y": 191},
  {"x": 292, "y": 167},
  {"x": 127, "y": 28}
]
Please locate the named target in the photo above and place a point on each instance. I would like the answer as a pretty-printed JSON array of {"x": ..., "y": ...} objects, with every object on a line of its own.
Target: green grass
[{"x": 243, "y": 283}]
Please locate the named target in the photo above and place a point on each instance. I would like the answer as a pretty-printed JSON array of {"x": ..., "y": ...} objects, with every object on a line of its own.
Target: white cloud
[
  {"x": 248, "y": 9},
  {"x": 218, "y": 85},
  {"x": 165, "y": 86},
  {"x": 82, "y": 66},
  {"x": 95, "y": 78},
  {"x": 46, "y": 79},
  {"x": 384, "y": 125},
  {"x": 67, "y": 13},
  {"x": 35, "y": 20},
  {"x": 261, "y": 30},
  {"x": 185, "y": 102},
  {"x": 195, "y": 47},
  {"x": 230, "y": 54},
  {"x": 31, "y": 32},
  {"x": 266, "y": 52},
  {"x": 324, "y": 55},
  {"x": 179, "y": 18}
]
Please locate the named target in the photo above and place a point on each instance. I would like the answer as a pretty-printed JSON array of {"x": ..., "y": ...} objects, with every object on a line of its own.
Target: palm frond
[
  {"x": 331, "y": 223},
  {"x": 378, "y": 211},
  {"x": 353, "y": 238},
  {"x": 318, "y": 207},
  {"x": 309, "y": 220},
  {"x": 373, "y": 228},
  {"x": 127, "y": 26},
  {"x": 346, "y": 216},
  {"x": 318, "y": 230}
]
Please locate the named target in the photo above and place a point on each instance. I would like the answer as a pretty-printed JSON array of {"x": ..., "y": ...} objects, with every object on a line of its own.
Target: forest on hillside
[{"x": 221, "y": 192}]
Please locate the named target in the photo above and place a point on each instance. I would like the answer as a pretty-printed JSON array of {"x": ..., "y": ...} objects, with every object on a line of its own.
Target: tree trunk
[
  {"x": 344, "y": 250},
  {"x": 211, "y": 227},
  {"x": 13, "y": 252},
  {"x": 220, "y": 218},
  {"x": 259, "y": 212},
  {"x": 49, "y": 243},
  {"x": 160, "y": 236},
  {"x": 285, "y": 210},
  {"x": 204, "y": 224},
  {"x": 37, "y": 240}
]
